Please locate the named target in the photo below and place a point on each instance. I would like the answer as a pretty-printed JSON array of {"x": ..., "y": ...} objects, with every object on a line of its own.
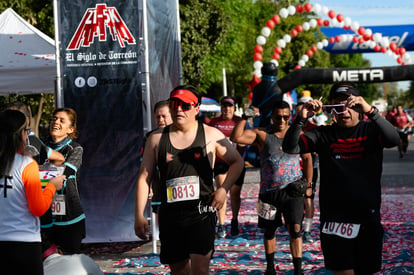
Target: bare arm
[
  {"x": 146, "y": 171},
  {"x": 307, "y": 166}
]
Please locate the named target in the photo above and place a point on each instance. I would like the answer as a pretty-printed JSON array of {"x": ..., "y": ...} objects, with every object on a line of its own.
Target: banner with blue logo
[
  {"x": 101, "y": 81},
  {"x": 401, "y": 35}
]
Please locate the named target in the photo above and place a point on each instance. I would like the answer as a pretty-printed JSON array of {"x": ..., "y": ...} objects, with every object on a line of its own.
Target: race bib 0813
[{"x": 183, "y": 189}]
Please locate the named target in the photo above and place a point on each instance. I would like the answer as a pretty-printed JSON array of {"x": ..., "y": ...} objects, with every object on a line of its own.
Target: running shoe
[
  {"x": 234, "y": 228},
  {"x": 221, "y": 231},
  {"x": 307, "y": 238}
]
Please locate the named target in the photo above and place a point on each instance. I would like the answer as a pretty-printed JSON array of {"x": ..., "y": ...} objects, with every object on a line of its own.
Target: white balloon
[
  {"x": 372, "y": 44},
  {"x": 291, "y": 10},
  {"x": 313, "y": 23},
  {"x": 355, "y": 26},
  {"x": 325, "y": 42},
  {"x": 306, "y": 26},
  {"x": 316, "y": 8},
  {"x": 389, "y": 52},
  {"x": 341, "y": 24},
  {"x": 275, "y": 61},
  {"x": 258, "y": 73},
  {"x": 325, "y": 10},
  {"x": 261, "y": 40},
  {"x": 283, "y": 13},
  {"x": 368, "y": 31},
  {"x": 287, "y": 38},
  {"x": 385, "y": 42},
  {"x": 406, "y": 57},
  {"x": 258, "y": 65},
  {"x": 266, "y": 31},
  {"x": 281, "y": 43},
  {"x": 301, "y": 63},
  {"x": 305, "y": 58},
  {"x": 347, "y": 21},
  {"x": 377, "y": 37},
  {"x": 319, "y": 45}
]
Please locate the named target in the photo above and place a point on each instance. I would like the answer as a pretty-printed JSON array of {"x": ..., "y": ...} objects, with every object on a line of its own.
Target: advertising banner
[
  {"x": 100, "y": 53},
  {"x": 402, "y": 35}
]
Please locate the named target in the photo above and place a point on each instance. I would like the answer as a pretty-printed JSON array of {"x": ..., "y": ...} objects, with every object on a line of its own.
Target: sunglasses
[
  {"x": 174, "y": 104},
  {"x": 280, "y": 117},
  {"x": 337, "y": 108}
]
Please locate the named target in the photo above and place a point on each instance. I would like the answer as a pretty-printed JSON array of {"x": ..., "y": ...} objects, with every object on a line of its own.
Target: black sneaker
[
  {"x": 221, "y": 231},
  {"x": 234, "y": 228},
  {"x": 270, "y": 271}
]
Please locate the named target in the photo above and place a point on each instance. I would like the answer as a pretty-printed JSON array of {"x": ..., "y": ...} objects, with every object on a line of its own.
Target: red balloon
[
  {"x": 338, "y": 38},
  {"x": 347, "y": 27},
  {"x": 366, "y": 37},
  {"x": 383, "y": 50},
  {"x": 257, "y": 57},
  {"x": 299, "y": 28},
  {"x": 393, "y": 46},
  {"x": 399, "y": 60},
  {"x": 403, "y": 63},
  {"x": 299, "y": 8},
  {"x": 326, "y": 23},
  {"x": 331, "y": 14},
  {"x": 278, "y": 50},
  {"x": 293, "y": 33},
  {"x": 331, "y": 40},
  {"x": 340, "y": 17},
  {"x": 377, "y": 48},
  {"x": 297, "y": 67},
  {"x": 270, "y": 24},
  {"x": 314, "y": 48},
  {"x": 250, "y": 96},
  {"x": 308, "y": 7},
  {"x": 402, "y": 51},
  {"x": 276, "y": 19},
  {"x": 361, "y": 30},
  {"x": 309, "y": 53},
  {"x": 276, "y": 56},
  {"x": 258, "y": 49},
  {"x": 361, "y": 40},
  {"x": 319, "y": 21},
  {"x": 355, "y": 39}
]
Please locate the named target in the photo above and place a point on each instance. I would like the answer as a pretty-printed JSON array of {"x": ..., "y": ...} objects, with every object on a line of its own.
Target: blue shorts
[{"x": 362, "y": 253}]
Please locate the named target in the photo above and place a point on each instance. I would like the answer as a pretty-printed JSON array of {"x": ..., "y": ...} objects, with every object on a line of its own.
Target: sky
[{"x": 375, "y": 13}]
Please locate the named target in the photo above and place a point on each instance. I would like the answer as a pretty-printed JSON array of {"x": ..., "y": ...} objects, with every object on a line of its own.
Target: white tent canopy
[{"x": 27, "y": 57}]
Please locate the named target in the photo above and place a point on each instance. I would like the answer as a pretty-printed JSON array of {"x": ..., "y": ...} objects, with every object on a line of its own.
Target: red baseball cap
[{"x": 184, "y": 95}]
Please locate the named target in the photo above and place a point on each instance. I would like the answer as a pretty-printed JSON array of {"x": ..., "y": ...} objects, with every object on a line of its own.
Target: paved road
[{"x": 398, "y": 178}]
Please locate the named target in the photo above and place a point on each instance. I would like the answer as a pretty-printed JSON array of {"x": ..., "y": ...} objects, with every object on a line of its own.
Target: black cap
[
  {"x": 228, "y": 100},
  {"x": 269, "y": 68},
  {"x": 343, "y": 88}
]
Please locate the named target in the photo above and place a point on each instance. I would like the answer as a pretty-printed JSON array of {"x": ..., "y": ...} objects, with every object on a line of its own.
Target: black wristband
[
  {"x": 244, "y": 117},
  {"x": 375, "y": 111}
]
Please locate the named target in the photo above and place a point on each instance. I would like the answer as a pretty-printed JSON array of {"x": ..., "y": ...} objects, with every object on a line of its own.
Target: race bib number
[
  {"x": 183, "y": 189},
  {"x": 58, "y": 205},
  {"x": 344, "y": 230},
  {"x": 266, "y": 211}
]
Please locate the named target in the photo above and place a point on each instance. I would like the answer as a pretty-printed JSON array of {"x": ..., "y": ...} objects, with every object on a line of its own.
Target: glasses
[
  {"x": 337, "y": 108},
  {"x": 174, "y": 104},
  {"x": 280, "y": 117}
]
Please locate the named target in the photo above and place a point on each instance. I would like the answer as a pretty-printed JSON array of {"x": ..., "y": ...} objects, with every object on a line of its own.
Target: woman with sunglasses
[
  {"x": 185, "y": 152},
  {"x": 64, "y": 223},
  {"x": 350, "y": 164},
  {"x": 22, "y": 200}
]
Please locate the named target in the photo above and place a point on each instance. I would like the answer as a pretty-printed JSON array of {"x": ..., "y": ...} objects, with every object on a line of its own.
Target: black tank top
[{"x": 191, "y": 161}]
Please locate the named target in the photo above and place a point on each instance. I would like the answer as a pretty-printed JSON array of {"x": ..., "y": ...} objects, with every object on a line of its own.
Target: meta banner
[
  {"x": 402, "y": 35},
  {"x": 100, "y": 58}
]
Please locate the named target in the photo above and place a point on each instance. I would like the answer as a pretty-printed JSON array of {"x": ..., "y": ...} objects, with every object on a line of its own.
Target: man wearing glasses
[
  {"x": 350, "y": 162},
  {"x": 185, "y": 152},
  {"x": 282, "y": 184}
]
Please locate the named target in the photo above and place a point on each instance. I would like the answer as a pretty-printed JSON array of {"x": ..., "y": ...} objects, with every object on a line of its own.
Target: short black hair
[
  {"x": 281, "y": 105},
  {"x": 160, "y": 104}
]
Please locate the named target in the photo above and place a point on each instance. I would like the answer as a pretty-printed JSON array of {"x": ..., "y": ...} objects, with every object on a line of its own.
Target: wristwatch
[{"x": 372, "y": 112}]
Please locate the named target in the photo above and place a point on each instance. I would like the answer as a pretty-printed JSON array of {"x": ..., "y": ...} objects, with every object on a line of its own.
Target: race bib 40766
[{"x": 344, "y": 230}]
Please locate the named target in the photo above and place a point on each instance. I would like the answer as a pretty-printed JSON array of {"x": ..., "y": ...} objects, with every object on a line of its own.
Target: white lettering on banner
[
  {"x": 343, "y": 45},
  {"x": 58, "y": 205},
  {"x": 266, "y": 211},
  {"x": 183, "y": 189},
  {"x": 344, "y": 230},
  {"x": 358, "y": 75}
]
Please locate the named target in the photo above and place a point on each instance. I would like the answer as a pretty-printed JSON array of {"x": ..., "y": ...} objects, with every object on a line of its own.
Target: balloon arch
[{"x": 361, "y": 35}]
